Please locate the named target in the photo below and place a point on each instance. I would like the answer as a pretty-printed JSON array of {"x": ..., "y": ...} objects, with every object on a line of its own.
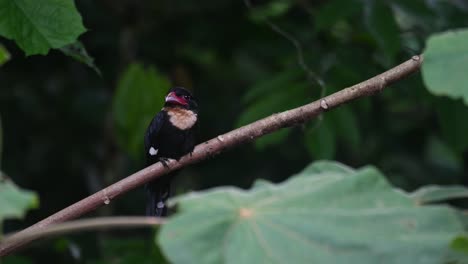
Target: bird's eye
[{"x": 186, "y": 97}]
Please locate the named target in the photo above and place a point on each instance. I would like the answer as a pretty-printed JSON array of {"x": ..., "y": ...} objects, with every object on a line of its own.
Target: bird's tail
[{"x": 157, "y": 191}]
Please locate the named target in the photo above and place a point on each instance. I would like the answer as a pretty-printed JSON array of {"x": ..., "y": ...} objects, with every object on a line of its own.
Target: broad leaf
[
  {"x": 38, "y": 26},
  {"x": 327, "y": 214},
  {"x": 14, "y": 201},
  {"x": 139, "y": 96},
  {"x": 4, "y": 55},
  {"x": 444, "y": 67}
]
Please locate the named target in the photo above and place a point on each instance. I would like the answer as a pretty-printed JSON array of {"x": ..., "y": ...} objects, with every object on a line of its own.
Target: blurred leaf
[
  {"x": 344, "y": 216},
  {"x": 272, "y": 96},
  {"x": 78, "y": 52},
  {"x": 452, "y": 116},
  {"x": 345, "y": 125},
  {"x": 38, "y": 26},
  {"x": 445, "y": 59},
  {"x": 272, "y": 139},
  {"x": 273, "y": 84},
  {"x": 16, "y": 260},
  {"x": 416, "y": 7},
  {"x": 273, "y": 9},
  {"x": 1, "y": 143},
  {"x": 435, "y": 193},
  {"x": 128, "y": 251},
  {"x": 320, "y": 140},
  {"x": 4, "y": 55},
  {"x": 438, "y": 153},
  {"x": 14, "y": 202},
  {"x": 383, "y": 27},
  {"x": 139, "y": 96},
  {"x": 334, "y": 11},
  {"x": 460, "y": 244}
]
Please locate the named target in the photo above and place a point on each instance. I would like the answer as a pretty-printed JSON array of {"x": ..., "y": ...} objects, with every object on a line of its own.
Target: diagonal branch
[{"x": 221, "y": 143}]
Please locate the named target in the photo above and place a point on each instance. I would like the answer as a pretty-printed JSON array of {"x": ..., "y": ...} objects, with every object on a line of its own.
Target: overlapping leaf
[
  {"x": 14, "y": 201},
  {"x": 4, "y": 55},
  {"x": 328, "y": 213},
  {"x": 139, "y": 96},
  {"x": 38, "y": 26},
  {"x": 444, "y": 67}
]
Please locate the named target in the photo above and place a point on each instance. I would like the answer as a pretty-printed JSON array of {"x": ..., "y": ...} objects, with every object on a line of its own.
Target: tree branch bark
[
  {"x": 84, "y": 225},
  {"x": 221, "y": 143}
]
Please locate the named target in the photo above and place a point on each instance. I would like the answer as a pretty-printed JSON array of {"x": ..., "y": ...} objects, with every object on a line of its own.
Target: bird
[{"x": 170, "y": 135}]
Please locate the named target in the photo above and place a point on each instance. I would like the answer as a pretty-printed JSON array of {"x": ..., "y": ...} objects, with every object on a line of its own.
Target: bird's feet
[{"x": 164, "y": 162}]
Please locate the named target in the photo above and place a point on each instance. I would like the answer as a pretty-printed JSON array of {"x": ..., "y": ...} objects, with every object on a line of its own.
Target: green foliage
[
  {"x": 328, "y": 213},
  {"x": 273, "y": 9},
  {"x": 16, "y": 260},
  {"x": 4, "y": 55},
  {"x": 58, "y": 134},
  {"x": 452, "y": 115},
  {"x": 435, "y": 193},
  {"x": 139, "y": 96},
  {"x": 78, "y": 52},
  {"x": 334, "y": 11},
  {"x": 460, "y": 244},
  {"x": 320, "y": 140},
  {"x": 14, "y": 202},
  {"x": 337, "y": 126},
  {"x": 285, "y": 91},
  {"x": 444, "y": 65},
  {"x": 128, "y": 251},
  {"x": 382, "y": 25},
  {"x": 38, "y": 26}
]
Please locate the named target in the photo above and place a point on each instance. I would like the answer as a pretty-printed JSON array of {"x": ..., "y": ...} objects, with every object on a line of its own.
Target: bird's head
[{"x": 180, "y": 97}]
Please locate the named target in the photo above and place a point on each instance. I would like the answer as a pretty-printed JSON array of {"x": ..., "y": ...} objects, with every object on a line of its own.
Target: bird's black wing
[
  {"x": 152, "y": 137},
  {"x": 157, "y": 190}
]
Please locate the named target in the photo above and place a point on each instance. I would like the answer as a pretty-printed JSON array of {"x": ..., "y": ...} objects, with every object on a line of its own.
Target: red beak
[{"x": 173, "y": 98}]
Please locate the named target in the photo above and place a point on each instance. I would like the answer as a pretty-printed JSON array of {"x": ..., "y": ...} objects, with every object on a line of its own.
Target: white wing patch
[
  {"x": 153, "y": 151},
  {"x": 160, "y": 205}
]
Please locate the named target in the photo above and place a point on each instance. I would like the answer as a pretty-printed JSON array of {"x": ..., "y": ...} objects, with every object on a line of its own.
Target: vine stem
[{"x": 221, "y": 143}]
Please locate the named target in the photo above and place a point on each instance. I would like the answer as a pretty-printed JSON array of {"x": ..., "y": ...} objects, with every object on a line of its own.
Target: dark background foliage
[{"x": 60, "y": 138}]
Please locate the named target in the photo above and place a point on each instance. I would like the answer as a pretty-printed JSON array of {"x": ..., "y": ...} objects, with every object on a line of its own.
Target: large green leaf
[
  {"x": 4, "y": 55},
  {"x": 38, "y": 26},
  {"x": 14, "y": 201},
  {"x": 444, "y": 67},
  {"x": 139, "y": 96},
  {"x": 329, "y": 213}
]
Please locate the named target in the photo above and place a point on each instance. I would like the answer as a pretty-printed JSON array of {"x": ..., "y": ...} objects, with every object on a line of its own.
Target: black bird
[{"x": 170, "y": 135}]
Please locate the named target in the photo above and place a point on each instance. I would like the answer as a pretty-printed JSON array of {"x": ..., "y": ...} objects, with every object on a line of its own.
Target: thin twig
[
  {"x": 84, "y": 225},
  {"x": 223, "y": 142},
  {"x": 300, "y": 52}
]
